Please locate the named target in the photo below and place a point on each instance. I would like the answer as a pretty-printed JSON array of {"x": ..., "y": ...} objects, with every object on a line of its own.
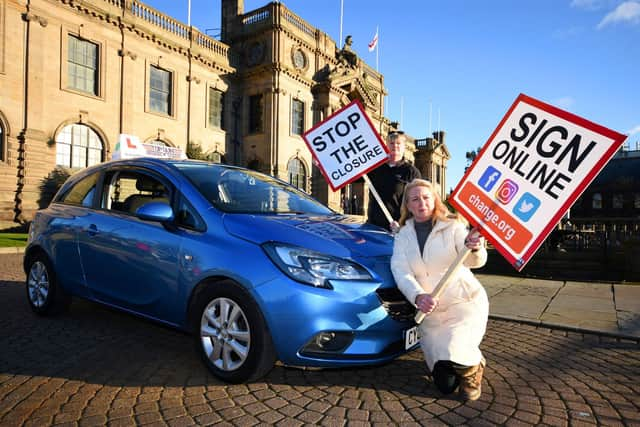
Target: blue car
[{"x": 255, "y": 268}]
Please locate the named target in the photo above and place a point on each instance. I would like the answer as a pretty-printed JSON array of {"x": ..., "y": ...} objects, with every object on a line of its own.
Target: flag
[{"x": 373, "y": 43}]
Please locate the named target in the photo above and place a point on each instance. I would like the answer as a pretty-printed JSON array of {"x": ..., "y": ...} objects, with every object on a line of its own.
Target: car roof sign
[{"x": 130, "y": 146}]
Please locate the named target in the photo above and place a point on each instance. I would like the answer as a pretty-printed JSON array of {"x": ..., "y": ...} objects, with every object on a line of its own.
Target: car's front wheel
[
  {"x": 44, "y": 293},
  {"x": 231, "y": 334}
]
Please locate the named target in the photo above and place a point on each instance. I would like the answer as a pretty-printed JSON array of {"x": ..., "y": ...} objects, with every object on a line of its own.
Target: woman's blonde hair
[{"x": 440, "y": 210}]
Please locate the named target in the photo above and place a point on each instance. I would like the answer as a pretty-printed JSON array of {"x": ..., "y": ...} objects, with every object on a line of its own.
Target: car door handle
[
  {"x": 185, "y": 261},
  {"x": 92, "y": 230}
]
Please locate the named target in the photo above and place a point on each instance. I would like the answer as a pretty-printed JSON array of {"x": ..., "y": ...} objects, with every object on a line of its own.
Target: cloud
[
  {"x": 629, "y": 11},
  {"x": 634, "y": 131},
  {"x": 588, "y": 4},
  {"x": 566, "y": 102}
]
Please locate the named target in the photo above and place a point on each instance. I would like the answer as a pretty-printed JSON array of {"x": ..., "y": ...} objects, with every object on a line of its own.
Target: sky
[{"x": 458, "y": 65}]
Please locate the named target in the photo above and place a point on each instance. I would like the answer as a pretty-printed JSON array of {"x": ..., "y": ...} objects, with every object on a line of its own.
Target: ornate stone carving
[
  {"x": 39, "y": 19},
  {"x": 347, "y": 59}
]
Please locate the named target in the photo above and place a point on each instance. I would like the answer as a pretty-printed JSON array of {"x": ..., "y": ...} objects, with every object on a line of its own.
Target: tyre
[
  {"x": 44, "y": 293},
  {"x": 231, "y": 334}
]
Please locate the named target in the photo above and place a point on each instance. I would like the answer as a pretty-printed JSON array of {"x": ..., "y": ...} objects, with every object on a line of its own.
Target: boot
[{"x": 471, "y": 381}]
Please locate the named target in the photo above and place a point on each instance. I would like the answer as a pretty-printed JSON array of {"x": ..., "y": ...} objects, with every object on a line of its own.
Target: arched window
[
  {"x": 78, "y": 146},
  {"x": 297, "y": 174}
]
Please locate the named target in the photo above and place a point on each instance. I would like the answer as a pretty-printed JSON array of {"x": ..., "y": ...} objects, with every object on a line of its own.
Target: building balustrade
[{"x": 158, "y": 19}]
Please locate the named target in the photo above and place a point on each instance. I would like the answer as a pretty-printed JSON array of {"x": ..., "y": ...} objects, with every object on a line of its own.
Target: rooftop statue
[
  {"x": 346, "y": 55},
  {"x": 347, "y": 59}
]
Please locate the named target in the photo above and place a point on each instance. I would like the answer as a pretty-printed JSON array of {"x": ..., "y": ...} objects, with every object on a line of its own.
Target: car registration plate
[{"x": 411, "y": 337}]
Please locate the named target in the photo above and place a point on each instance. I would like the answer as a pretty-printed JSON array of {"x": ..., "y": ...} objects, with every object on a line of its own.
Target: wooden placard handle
[
  {"x": 442, "y": 284},
  {"x": 378, "y": 199}
]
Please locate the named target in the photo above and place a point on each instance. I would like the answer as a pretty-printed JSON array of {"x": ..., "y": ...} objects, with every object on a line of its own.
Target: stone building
[
  {"x": 431, "y": 159},
  {"x": 74, "y": 75},
  {"x": 611, "y": 203}
]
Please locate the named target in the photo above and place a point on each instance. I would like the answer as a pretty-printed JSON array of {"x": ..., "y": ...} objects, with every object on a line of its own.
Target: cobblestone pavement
[{"x": 94, "y": 366}]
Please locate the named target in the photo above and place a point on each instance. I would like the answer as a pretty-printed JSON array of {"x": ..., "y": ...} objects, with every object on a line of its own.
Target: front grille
[{"x": 396, "y": 304}]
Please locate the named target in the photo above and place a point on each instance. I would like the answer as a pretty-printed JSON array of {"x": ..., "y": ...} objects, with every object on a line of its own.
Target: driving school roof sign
[
  {"x": 531, "y": 170},
  {"x": 346, "y": 146},
  {"x": 129, "y": 147}
]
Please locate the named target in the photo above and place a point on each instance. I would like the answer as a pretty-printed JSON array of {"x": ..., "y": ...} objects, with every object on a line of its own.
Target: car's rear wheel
[
  {"x": 231, "y": 334},
  {"x": 44, "y": 293}
]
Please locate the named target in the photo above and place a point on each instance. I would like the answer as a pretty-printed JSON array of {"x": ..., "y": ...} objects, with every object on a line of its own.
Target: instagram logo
[{"x": 507, "y": 190}]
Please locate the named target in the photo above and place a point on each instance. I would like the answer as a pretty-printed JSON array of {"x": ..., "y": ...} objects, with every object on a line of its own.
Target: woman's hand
[
  {"x": 426, "y": 303},
  {"x": 474, "y": 240},
  {"x": 394, "y": 226}
]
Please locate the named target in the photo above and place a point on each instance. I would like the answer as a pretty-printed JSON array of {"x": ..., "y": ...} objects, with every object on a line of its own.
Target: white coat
[{"x": 454, "y": 330}]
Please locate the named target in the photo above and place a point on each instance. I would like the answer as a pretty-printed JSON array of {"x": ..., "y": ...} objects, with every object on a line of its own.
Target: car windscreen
[{"x": 237, "y": 190}]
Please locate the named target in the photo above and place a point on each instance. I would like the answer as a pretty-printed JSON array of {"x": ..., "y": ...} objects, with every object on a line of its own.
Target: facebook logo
[
  {"x": 489, "y": 178},
  {"x": 526, "y": 206}
]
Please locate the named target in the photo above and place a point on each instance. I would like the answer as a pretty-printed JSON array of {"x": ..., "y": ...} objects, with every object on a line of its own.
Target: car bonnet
[{"x": 336, "y": 235}]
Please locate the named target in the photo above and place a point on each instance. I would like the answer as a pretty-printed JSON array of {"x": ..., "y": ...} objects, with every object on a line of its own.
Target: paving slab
[
  {"x": 588, "y": 289},
  {"x": 521, "y": 307},
  {"x": 585, "y": 296},
  {"x": 603, "y": 322},
  {"x": 583, "y": 305},
  {"x": 627, "y": 297},
  {"x": 524, "y": 299},
  {"x": 499, "y": 281},
  {"x": 494, "y": 285},
  {"x": 627, "y": 302},
  {"x": 586, "y": 304}
]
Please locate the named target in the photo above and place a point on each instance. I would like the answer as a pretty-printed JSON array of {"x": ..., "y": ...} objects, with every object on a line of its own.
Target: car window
[
  {"x": 126, "y": 191},
  {"x": 187, "y": 217},
  {"x": 245, "y": 191},
  {"x": 82, "y": 193}
]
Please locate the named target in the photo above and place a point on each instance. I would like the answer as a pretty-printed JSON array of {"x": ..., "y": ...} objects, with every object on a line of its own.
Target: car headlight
[{"x": 313, "y": 268}]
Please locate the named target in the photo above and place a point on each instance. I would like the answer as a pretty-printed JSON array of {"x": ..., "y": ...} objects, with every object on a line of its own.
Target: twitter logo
[{"x": 526, "y": 207}]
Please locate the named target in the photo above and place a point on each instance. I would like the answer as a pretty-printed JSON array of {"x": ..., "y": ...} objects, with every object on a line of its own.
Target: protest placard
[
  {"x": 531, "y": 170},
  {"x": 346, "y": 146}
]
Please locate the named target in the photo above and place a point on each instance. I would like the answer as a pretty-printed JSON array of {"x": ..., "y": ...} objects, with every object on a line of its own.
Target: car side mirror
[{"x": 155, "y": 211}]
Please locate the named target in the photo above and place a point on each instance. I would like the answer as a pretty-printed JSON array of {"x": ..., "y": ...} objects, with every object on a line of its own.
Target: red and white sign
[
  {"x": 346, "y": 146},
  {"x": 129, "y": 147},
  {"x": 531, "y": 170}
]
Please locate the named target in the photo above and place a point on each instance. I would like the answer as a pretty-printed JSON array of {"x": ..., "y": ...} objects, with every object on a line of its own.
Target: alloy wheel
[
  {"x": 225, "y": 334},
  {"x": 38, "y": 284}
]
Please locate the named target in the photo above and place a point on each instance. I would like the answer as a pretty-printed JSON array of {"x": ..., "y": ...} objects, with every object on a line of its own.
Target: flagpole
[
  {"x": 189, "y": 14},
  {"x": 341, "y": 13},
  {"x": 377, "y": 44},
  {"x": 373, "y": 45}
]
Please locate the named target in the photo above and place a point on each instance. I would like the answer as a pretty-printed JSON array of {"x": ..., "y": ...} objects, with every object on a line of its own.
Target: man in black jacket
[{"x": 389, "y": 181}]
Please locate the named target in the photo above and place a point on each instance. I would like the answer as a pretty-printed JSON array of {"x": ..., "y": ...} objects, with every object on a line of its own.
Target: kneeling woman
[{"x": 428, "y": 242}]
